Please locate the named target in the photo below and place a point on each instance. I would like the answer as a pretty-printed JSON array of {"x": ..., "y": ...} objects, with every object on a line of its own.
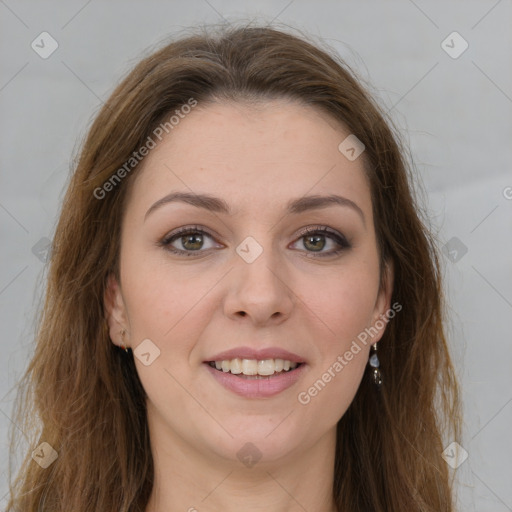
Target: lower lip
[{"x": 257, "y": 388}]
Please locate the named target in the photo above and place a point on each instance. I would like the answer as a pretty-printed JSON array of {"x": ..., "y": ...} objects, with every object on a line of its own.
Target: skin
[{"x": 257, "y": 158}]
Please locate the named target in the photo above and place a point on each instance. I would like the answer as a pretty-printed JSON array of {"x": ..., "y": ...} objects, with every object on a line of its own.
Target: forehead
[{"x": 254, "y": 155}]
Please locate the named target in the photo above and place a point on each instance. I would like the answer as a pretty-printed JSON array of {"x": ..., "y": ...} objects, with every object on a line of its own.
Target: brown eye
[
  {"x": 314, "y": 243},
  {"x": 187, "y": 241},
  {"x": 192, "y": 242},
  {"x": 315, "y": 239}
]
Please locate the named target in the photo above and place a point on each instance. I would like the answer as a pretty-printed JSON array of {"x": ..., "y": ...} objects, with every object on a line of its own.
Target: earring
[
  {"x": 122, "y": 333},
  {"x": 375, "y": 363}
]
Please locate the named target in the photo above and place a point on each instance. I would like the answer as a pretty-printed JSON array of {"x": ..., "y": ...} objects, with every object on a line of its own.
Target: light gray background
[{"x": 455, "y": 114}]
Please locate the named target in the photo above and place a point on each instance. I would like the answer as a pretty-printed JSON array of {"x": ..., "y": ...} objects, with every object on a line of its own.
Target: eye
[
  {"x": 317, "y": 238},
  {"x": 189, "y": 240}
]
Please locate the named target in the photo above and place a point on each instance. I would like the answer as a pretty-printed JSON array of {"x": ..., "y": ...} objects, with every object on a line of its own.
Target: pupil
[
  {"x": 195, "y": 240},
  {"x": 317, "y": 239}
]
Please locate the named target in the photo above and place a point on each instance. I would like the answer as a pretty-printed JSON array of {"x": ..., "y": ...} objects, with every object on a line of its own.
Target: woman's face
[{"x": 247, "y": 282}]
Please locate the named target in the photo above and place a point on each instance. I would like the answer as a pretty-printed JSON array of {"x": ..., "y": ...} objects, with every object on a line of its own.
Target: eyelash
[{"x": 311, "y": 230}]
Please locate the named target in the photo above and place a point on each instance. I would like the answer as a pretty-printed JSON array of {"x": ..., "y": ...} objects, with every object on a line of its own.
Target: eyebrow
[{"x": 294, "y": 206}]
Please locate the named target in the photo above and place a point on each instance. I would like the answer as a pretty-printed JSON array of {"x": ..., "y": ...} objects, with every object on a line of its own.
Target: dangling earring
[
  {"x": 375, "y": 363},
  {"x": 122, "y": 333}
]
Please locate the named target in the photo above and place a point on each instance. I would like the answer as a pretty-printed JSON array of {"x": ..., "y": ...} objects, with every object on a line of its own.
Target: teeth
[
  {"x": 252, "y": 367},
  {"x": 236, "y": 366},
  {"x": 266, "y": 367},
  {"x": 249, "y": 366}
]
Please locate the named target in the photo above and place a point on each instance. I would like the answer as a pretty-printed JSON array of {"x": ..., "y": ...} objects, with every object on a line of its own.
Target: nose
[{"x": 260, "y": 290}]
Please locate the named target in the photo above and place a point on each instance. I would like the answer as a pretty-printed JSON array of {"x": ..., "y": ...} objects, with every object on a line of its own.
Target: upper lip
[{"x": 259, "y": 355}]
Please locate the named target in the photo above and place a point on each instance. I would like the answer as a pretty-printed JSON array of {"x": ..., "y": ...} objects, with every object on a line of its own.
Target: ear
[
  {"x": 115, "y": 311},
  {"x": 381, "y": 313}
]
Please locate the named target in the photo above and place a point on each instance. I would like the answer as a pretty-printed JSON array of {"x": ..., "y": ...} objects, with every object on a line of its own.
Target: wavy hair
[{"x": 82, "y": 395}]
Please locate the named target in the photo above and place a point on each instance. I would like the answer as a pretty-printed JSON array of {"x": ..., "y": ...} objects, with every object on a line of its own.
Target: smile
[
  {"x": 255, "y": 378},
  {"x": 254, "y": 368}
]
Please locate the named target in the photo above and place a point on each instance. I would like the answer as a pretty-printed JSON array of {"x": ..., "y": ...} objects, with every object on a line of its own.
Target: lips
[
  {"x": 256, "y": 373},
  {"x": 258, "y": 355},
  {"x": 252, "y": 367}
]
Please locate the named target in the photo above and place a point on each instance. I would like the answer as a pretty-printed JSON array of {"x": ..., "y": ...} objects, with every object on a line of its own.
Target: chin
[{"x": 257, "y": 442}]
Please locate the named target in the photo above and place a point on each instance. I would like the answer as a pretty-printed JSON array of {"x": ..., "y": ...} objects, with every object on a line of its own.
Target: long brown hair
[{"x": 82, "y": 395}]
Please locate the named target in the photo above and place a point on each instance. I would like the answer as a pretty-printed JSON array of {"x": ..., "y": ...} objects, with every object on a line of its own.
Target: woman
[{"x": 244, "y": 309}]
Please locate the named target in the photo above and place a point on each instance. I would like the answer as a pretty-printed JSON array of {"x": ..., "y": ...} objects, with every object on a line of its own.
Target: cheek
[
  {"x": 344, "y": 302},
  {"x": 344, "y": 305},
  {"x": 329, "y": 395},
  {"x": 344, "y": 309},
  {"x": 172, "y": 310},
  {"x": 162, "y": 300}
]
